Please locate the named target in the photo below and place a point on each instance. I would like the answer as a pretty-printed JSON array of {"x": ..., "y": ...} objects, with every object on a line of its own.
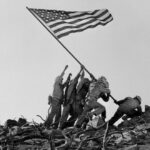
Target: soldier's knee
[
  {"x": 103, "y": 109},
  {"x": 100, "y": 110}
]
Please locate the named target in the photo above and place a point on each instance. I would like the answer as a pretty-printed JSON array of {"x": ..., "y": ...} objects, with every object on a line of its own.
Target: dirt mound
[{"x": 132, "y": 134}]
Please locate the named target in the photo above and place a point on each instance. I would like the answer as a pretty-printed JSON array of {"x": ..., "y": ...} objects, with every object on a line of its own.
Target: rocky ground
[{"x": 133, "y": 134}]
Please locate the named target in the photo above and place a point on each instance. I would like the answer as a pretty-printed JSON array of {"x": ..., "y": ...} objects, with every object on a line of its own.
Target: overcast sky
[{"x": 30, "y": 58}]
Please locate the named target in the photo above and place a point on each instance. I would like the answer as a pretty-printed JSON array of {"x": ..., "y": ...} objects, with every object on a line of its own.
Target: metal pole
[{"x": 91, "y": 75}]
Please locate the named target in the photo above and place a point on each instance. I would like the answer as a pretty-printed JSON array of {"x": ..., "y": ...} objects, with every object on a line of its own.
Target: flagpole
[{"x": 91, "y": 75}]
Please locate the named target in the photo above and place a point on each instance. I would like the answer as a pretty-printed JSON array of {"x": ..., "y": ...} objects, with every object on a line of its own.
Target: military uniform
[
  {"x": 78, "y": 104},
  {"x": 70, "y": 98},
  {"x": 97, "y": 89},
  {"x": 57, "y": 100},
  {"x": 129, "y": 106}
]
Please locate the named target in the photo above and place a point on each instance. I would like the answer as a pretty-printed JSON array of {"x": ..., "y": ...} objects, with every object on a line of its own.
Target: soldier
[
  {"x": 70, "y": 98},
  {"x": 56, "y": 100},
  {"x": 79, "y": 101},
  {"x": 66, "y": 89},
  {"x": 98, "y": 89},
  {"x": 129, "y": 106}
]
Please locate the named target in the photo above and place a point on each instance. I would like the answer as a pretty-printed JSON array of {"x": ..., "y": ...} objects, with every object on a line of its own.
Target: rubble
[{"x": 132, "y": 134}]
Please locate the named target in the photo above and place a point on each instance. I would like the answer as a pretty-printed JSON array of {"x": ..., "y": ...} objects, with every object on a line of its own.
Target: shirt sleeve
[
  {"x": 120, "y": 102},
  {"x": 80, "y": 85}
]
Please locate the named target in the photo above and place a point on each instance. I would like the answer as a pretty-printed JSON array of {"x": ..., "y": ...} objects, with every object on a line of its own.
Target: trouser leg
[
  {"x": 75, "y": 111},
  {"x": 116, "y": 117},
  {"x": 74, "y": 117},
  {"x": 57, "y": 116},
  {"x": 51, "y": 116},
  {"x": 70, "y": 122},
  {"x": 98, "y": 108},
  {"x": 133, "y": 113},
  {"x": 64, "y": 116},
  {"x": 82, "y": 117}
]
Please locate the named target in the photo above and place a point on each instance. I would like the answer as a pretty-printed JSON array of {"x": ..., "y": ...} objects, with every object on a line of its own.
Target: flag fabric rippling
[{"x": 62, "y": 23}]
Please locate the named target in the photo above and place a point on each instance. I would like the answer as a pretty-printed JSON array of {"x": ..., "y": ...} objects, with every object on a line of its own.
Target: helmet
[
  {"x": 86, "y": 80},
  {"x": 103, "y": 80},
  {"x": 138, "y": 98}
]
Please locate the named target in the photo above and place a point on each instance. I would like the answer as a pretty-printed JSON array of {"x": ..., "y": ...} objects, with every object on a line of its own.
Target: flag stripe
[
  {"x": 81, "y": 14},
  {"x": 95, "y": 15},
  {"x": 98, "y": 15},
  {"x": 62, "y": 34},
  {"x": 79, "y": 24},
  {"x": 62, "y": 23},
  {"x": 86, "y": 22},
  {"x": 66, "y": 25}
]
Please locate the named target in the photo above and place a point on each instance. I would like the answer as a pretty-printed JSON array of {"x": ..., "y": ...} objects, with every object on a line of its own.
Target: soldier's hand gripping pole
[
  {"x": 63, "y": 72},
  {"x": 115, "y": 101},
  {"x": 79, "y": 74},
  {"x": 90, "y": 74},
  {"x": 65, "y": 68},
  {"x": 69, "y": 76},
  {"x": 66, "y": 83}
]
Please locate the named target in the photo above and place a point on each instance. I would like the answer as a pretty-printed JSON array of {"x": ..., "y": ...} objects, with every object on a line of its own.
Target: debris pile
[{"x": 131, "y": 134}]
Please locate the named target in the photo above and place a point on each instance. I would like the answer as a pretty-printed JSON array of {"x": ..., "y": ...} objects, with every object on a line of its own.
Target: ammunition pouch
[{"x": 50, "y": 99}]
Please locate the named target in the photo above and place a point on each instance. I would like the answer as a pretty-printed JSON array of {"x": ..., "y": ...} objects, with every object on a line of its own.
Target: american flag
[{"x": 62, "y": 23}]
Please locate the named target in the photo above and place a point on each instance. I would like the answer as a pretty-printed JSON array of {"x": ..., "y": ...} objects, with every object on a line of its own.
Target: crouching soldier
[
  {"x": 129, "y": 106},
  {"x": 56, "y": 100},
  {"x": 98, "y": 89}
]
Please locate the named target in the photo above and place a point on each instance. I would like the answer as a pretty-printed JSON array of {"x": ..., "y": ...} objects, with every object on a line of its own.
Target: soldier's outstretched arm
[
  {"x": 79, "y": 73},
  {"x": 120, "y": 102},
  {"x": 63, "y": 72},
  {"x": 82, "y": 74},
  {"x": 92, "y": 77},
  {"x": 81, "y": 69},
  {"x": 66, "y": 83}
]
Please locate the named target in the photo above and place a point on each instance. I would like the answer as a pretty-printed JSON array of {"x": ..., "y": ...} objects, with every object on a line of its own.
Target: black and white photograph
[{"x": 74, "y": 75}]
